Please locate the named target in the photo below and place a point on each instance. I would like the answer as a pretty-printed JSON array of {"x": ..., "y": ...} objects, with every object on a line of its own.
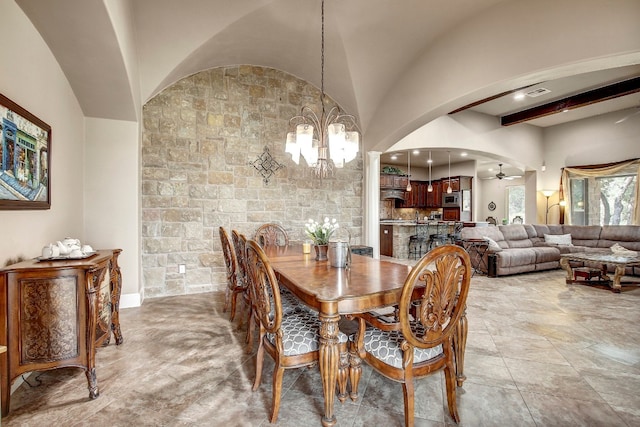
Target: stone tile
[
  {"x": 538, "y": 353},
  {"x": 481, "y": 405},
  {"x": 487, "y": 370},
  {"x": 529, "y": 349},
  {"x": 562, "y": 411},
  {"x": 549, "y": 378}
]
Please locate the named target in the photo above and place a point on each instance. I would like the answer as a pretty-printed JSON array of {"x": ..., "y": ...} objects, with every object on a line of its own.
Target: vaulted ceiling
[{"x": 395, "y": 65}]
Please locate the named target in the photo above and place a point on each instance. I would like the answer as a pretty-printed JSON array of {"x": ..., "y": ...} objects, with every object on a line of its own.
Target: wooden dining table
[{"x": 367, "y": 284}]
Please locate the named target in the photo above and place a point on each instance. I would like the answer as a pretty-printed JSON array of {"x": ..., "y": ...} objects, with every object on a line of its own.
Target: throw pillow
[
  {"x": 558, "y": 239},
  {"x": 493, "y": 245}
]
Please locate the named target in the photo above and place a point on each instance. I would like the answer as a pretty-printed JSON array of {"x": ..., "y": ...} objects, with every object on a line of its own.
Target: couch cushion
[
  {"x": 491, "y": 231},
  {"x": 583, "y": 235},
  {"x": 516, "y": 236},
  {"x": 628, "y": 236},
  {"x": 542, "y": 229},
  {"x": 516, "y": 257},
  {"x": 546, "y": 254}
]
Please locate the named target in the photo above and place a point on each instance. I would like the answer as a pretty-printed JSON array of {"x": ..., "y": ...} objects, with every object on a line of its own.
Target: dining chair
[
  {"x": 288, "y": 301},
  {"x": 239, "y": 243},
  {"x": 491, "y": 220},
  {"x": 422, "y": 341},
  {"x": 291, "y": 340},
  {"x": 271, "y": 234},
  {"x": 234, "y": 286}
]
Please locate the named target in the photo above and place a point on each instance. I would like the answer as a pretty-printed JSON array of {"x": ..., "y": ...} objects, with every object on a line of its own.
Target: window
[
  {"x": 602, "y": 196},
  {"x": 515, "y": 202}
]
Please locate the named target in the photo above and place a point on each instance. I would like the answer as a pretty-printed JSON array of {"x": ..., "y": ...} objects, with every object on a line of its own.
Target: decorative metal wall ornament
[{"x": 267, "y": 165}]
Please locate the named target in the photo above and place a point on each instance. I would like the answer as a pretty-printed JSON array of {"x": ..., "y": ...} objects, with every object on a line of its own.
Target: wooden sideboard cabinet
[{"x": 55, "y": 313}]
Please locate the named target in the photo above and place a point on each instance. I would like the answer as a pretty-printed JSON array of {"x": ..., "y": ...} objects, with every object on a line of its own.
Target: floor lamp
[{"x": 547, "y": 194}]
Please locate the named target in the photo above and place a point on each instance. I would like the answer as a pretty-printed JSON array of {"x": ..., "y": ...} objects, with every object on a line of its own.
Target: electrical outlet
[{"x": 182, "y": 268}]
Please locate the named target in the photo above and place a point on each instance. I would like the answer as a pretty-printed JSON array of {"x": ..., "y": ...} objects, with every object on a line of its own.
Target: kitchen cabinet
[
  {"x": 434, "y": 198},
  {"x": 454, "y": 181},
  {"x": 450, "y": 214},
  {"x": 398, "y": 182},
  {"x": 458, "y": 183},
  {"x": 386, "y": 240},
  {"x": 417, "y": 197}
]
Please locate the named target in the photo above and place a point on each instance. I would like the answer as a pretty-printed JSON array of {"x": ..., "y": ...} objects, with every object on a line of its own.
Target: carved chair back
[
  {"x": 491, "y": 220},
  {"x": 234, "y": 286},
  {"x": 432, "y": 305},
  {"x": 271, "y": 235}
]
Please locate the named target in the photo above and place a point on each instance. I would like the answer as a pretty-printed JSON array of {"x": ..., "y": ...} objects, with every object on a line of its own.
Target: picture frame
[{"x": 25, "y": 159}]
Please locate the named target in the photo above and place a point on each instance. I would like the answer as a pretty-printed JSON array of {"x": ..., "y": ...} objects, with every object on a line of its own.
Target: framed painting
[{"x": 25, "y": 158}]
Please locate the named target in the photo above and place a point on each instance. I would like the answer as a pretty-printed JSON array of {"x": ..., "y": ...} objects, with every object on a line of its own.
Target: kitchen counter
[{"x": 401, "y": 230}]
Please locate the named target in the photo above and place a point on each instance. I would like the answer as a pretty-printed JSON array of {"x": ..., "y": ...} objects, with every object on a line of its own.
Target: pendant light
[
  {"x": 430, "y": 187},
  {"x": 409, "y": 168},
  {"x": 449, "y": 190}
]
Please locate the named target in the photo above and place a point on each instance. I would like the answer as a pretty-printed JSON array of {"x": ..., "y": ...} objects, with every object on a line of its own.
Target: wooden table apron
[{"x": 368, "y": 284}]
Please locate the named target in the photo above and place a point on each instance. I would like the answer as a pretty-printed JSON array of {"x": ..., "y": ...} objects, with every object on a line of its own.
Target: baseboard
[{"x": 130, "y": 300}]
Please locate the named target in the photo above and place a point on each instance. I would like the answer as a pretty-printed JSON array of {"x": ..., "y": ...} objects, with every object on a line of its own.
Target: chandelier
[{"x": 327, "y": 141}]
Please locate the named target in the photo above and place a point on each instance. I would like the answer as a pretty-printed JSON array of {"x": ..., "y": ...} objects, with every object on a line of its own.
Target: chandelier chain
[{"x": 322, "y": 61}]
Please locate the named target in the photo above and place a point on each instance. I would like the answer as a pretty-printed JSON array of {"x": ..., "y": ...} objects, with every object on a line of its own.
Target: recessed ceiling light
[
  {"x": 430, "y": 161},
  {"x": 463, "y": 154},
  {"x": 490, "y": 169},
  {"x": 519, "y": 96},
  {"x": 565, "y": 110},
  {"x": 416, "y": 151},
  {"x": 394, "y": 157}
]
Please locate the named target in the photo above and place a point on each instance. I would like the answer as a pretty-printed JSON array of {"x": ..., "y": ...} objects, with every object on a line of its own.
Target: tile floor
[{"x": 540, "y": 353}]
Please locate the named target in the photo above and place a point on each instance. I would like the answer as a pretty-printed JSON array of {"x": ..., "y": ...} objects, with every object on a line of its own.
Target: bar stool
[
  {"x": 438, "y": 238},
  {"x": 418, "y": 243},
  {"x": 417, "y": 246},
  {"x": 454, "y": 232}
]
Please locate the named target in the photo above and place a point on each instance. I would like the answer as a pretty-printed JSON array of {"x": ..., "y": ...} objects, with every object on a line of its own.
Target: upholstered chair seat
[
  {"x": 386, "y": 346},
  {"x": 300, "y": 333}
]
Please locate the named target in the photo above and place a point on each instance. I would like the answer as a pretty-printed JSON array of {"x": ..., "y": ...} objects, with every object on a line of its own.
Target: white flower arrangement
[{"x": 320, "y": 233}]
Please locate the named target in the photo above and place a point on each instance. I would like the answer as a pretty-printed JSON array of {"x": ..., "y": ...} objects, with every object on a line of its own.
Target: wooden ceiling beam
[
  {"x": 490, "y": 98},
  {"x": 604, "y": 93}
]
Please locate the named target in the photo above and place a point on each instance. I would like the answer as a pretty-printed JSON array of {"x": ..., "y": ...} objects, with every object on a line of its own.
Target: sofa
[{"x": 521, "y": 248}]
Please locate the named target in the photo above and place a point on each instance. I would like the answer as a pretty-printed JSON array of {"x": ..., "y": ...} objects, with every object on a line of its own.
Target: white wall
[
  {"x": 509, "y": 45},
  {"x": 94, "y": 171},
  {"x": 112, "y": 211},
  {"x": 32, "y": 78},
  {"x": 594, "y": 140}
]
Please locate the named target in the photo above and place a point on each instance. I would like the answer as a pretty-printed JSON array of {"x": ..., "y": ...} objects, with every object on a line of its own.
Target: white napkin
[{"x": 617, "y": 249}]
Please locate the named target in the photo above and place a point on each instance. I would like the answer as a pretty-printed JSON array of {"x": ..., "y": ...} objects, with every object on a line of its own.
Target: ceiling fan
[{"x": 502, "y": 175}]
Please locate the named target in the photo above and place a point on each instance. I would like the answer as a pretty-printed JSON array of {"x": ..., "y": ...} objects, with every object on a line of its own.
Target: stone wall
[{"x": 198, "y": 140}]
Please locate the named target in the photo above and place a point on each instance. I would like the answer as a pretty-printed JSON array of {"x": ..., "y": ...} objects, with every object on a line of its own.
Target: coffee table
[{"x": 604, "y": 259}]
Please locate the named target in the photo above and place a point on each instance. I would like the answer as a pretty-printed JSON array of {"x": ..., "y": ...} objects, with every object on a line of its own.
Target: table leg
[
  {"x": 355, "y": 370},
  {"x": 459, "y": 346},
  {"x": 615, "y": 283},
  {"x": 329, "y": 355},
  {"x": 564, "y": 263}
]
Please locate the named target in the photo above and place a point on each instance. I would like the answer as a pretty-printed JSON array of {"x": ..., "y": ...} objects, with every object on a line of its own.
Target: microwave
[{"x": 451, "y": 200}]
